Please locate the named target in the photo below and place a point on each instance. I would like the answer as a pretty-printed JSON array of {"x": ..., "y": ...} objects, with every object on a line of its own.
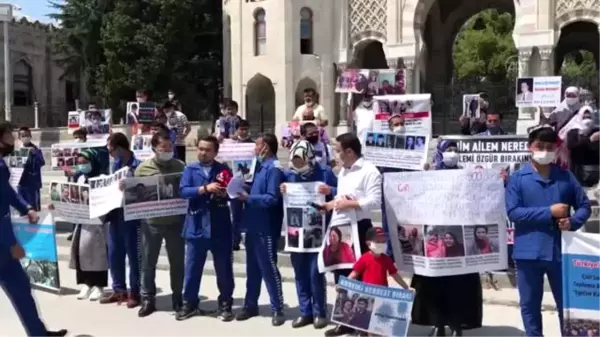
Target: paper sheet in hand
[{"x": 235, "y": 187}]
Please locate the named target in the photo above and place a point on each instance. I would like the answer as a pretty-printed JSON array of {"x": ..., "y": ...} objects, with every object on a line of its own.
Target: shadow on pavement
[{"x": 418, "y": 330}]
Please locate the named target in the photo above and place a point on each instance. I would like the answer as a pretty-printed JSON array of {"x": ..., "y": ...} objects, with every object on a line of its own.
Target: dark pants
[
  {"x": 180, "y": 152},
  {"x": 261, "y": 264},
  {"x": 195, "y": 258},
  {"x": 237, "y": 209},
  {"x": 124, "y": 242},
  {"x": 152, "y": 238},
  {"x": 32, "y": 196},
  {"x": 363, "y": 227},
  {"x": 310, "y": 285}
]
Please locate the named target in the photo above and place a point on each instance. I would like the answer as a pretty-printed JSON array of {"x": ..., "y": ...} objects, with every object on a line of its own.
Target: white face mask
[
  {"x": 587, "y": 124},
  {"x": 26, "y": 140},
  {"x": 171, "y": 96},
  {"x": 302, "y": 169},
  {"x": 450, "y": 158},
  {"x": 399, "y": 129},
  {"x": 164, "y": 156},
  {"x": 378, "y": 248},
  {"x": 572, "y": 100},
  {"x": 79, "y": 140},
  {"x": 543, "y": 157}
]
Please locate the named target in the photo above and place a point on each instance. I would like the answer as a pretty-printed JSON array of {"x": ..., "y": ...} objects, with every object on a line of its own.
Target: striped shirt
[{"x": 179, "y": 122}]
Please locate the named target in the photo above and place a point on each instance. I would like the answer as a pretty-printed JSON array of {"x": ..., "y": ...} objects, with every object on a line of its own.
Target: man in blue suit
[
  {"x": 207, "y": 228},
  {"x": 13, "y": 278},
  {"x": 263, "y": 215},
  {"x": 539, "y": 198},
  {"x": 31, "y": 180}
]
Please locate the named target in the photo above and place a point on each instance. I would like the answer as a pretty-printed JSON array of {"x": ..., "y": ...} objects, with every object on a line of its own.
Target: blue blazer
[
  {"x": 8, "y": 197},
  {"x": 263, "y": 212},
  {"x": 32, "y": 170}
]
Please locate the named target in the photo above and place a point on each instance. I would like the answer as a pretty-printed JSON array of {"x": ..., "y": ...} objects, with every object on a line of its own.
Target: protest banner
[
  {"x": 377, "y": 81},
  {"x": 542, "y": 91},
  {"x": 105, "y": 193},
  {"x": 63, "y": 156},
  {"x": 41, "y": 257},
  {"x": 402, "y": 151},
  {"x": 96, "y": 123},
  {"x": 73, "y": 121},
  {"x": 141, "y": 146},
  {"x": 415, "y": 108},
  {"x": 341, "y": 248},
  {"x": 16, "y": 163},
  {"x": 508, "y": 151},
  {"x": 581, "y": 283},
  {"x": 71, "y": 202},
  {"x": 383, "y": 311},
  {"x": 240, "y": 157},
  {"x": 304, "y": 224},
  {"x": 153, "y": 197},
  {"x": 471, "y": 108},
  {"x": 447, "y": 222}
]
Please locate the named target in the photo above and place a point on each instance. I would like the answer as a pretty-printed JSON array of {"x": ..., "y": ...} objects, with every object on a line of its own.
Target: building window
[
  {"x": 260, "y": 32},
  {"x": 306, "y": 31},
  {"x": 22, "y": 84}
]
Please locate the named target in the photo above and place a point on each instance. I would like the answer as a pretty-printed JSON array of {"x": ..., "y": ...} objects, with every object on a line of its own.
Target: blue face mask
[{"x": 84, "y": 168}]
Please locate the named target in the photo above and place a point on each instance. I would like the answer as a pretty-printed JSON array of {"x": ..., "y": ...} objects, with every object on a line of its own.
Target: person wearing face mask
[
  {"x": 31, "y": 180},
  {"x": 566, "y": 110},
  {"x": 226, "y": 126},
  {"x": 171, "y": 97},
  {"x": 322, "y": 152},
  {"x": 178, "y": 122},
  {"x": 154, "y": 230},
  {"x": 80, "y": 136},
  {"x": 434, "y": 305},
  {"x": 310, "y": 284},
  {"x": 311, "y": 110},
  {"x": 364, "y": 116},
  {"x": 583, "y": 144},
  {"x": 539, "y": 199},
  {"x": 161, "y": 124},
  {"x": 493, "y": 125},
  {"x": 207, "y": 228},
  {"x": 263, "y": 216},
  {"x": 124, "y": 236}
]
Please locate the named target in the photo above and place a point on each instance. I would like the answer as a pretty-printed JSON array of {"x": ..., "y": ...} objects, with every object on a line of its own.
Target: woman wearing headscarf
[
  {"x": 434, "y": 305},
  {"x": 583, "y": 144},
  {"x": 310, "y": 283}
]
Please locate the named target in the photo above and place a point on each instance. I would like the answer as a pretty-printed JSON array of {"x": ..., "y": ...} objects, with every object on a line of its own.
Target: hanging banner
[
  {"x": 63, "y": 156},
  {"x": 471, "y": 108},
  {"x": 341, "y": 248},
  {"x": 376, "y": 81},
  {"x": 402, "y": 151},
  {"x": 153, "y": 197},
  {"x": 141, "y": 146},
  {"x": 105, "y": 193},
  {"x": 41, "y": 257},
  {"x": 305, "y": 225},
  {"x": 543, "y": 91},
  {"x": 382, "y": 311},
  {"x": 415, "y": 108},
  {"x": 240, "y": 157},
  {"x": 581, "y": 283},
  {"x": 508, "y": 152},
  {"x": 461, "y": 236}
]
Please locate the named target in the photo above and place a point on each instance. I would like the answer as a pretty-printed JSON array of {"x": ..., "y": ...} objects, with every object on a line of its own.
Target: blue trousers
[
  {"x": 310, "y": 285},
  {"x": 237, "y": 209},
  {"x": 195, "y": 258},
  {"x": 15, "y": 283},
  {"x": 124, "y": 242},
  {"x": 261, "y": 264},
  {"x": 31, "y": 195},
  {"x": 530, "y": 282}
]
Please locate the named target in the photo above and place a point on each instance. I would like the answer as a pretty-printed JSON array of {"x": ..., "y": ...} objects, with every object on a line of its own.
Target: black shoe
[
  {"x": 320, "y": 322},
  {"x": 457, "y": 332},
  {"x": 148, "y": 307},
  {"x": 302, "y": 321},
  {"x": 186, "y": 311},
  {"x": 339, "y": 330},
  {"x": 70, "y": 237},
  {"x": 246, "y": 314},
  {"x": 236, "y": 247},
  {"x": 177, "y": 303},
  {"x": 57, "y": 333},
  {"x": 278, "y": 319},
  {"x": 224, "y": 313},
  {"x": 438, "y": 331}
]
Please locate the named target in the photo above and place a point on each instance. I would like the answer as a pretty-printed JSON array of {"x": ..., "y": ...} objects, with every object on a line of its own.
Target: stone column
[
  {"x": 345, "y": 109},
  {"x": 409, "y": 78},
  {"x": 392, "y": 63},
  {"x": 546, "y": 68}
]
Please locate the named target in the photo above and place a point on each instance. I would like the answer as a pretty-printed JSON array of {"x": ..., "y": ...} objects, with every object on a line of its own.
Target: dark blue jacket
[
  {"x": 208, "y": 215},
  {"x": 32, "y": 171},
  {"x": 263, "y": 212},
  {"x": 116, "y": 215},
  {"x": 8, "y": 197},
  {"x": 528, "y": 201}
]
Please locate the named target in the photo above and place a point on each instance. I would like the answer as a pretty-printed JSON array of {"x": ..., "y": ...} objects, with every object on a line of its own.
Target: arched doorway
[
  {"x": 465, "y": 48},
  {"x": 260, "y": 104},
  {"x": 23, "y": 84},
  {"x": 304, "y": 84},
  {"x": 369, "y": 54}
]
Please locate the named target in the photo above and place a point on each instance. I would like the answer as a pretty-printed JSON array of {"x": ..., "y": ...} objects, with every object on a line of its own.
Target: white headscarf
[{"x": 306, "y": 152}]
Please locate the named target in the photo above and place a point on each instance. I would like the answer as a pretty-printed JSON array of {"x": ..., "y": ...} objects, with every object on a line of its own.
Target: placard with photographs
[
  {"x": 153, "y": 197},
  {"x": 16, "y": 163},
  {"x": 73, "y": 121},
  {"x": 402, "y": 151},
  {"x": 466, "y": 233},
  {"x": 377, "y": 81},
  {"x": 105, "y": 192},
  {"x": 378, "y": 310},
  {"x": 240, "y": 157},
  {"x": 63, "y": 156},
  {"x": 97, "y": 123},
  {"x": 341, "y": 247},
  {"x": 41, "y": 252},
  {"x": 139, "y": 116},
  {"x": 304, "y": 224},
  {"x": 415, "y": 108},
  {"x": 542, "y": 91},
  {"x": 141, "y": 146},
  {"x": 471, "y": 106},
  {"x": 71, "y": 202}
]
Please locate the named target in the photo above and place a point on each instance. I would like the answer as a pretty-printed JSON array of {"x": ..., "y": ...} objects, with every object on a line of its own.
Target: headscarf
[
  {"x": 438, "y": 160},
  {"x": 306, "y": 152},
  {"x": 99, "y": 160},
  {"x": 564, "y": 113}
]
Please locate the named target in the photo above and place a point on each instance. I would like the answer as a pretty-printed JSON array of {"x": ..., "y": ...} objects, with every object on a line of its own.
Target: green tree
[
  {"x": 484, "y": 46},
  {"x": 579, "y": 68}
]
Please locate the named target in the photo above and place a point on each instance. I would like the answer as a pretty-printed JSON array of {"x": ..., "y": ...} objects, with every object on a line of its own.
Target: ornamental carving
[
  {"x": 367, "y": 16},
  {"x": 565, "y": 6}
]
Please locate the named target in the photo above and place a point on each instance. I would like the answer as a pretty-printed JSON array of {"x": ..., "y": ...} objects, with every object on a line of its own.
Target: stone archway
[
  {"x": 303, "y": 84},
  {"x": 260, "y": 104},
  {"x": 369, "y": 54}
]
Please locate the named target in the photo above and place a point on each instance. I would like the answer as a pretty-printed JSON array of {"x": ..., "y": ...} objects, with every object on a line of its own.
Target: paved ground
[{"x": 83, "y": 318}]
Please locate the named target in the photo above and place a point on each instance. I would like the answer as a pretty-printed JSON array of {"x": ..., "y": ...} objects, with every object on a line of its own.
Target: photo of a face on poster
[
  {"x": 353, "y": 309},
  {"x": 341, "y": 246}
]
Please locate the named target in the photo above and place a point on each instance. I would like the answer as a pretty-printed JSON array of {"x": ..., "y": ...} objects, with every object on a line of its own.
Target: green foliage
[{"x": 579, "y": 69}]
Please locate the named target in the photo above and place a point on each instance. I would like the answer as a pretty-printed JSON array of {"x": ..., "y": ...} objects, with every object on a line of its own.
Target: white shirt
[
  {"x": 180, "y": 121},
  {"x": 362, "y": 181},
  {"x": 323, "y": 153},
  {"x": 318, "y": 111},
  {"x": 363, "y": 118}
]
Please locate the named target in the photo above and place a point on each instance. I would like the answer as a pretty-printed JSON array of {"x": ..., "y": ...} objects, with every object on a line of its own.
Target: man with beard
[{"x": 311, "y": 110}]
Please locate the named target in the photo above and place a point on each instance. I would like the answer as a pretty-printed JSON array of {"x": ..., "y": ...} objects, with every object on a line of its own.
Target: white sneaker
[
  {"x": 84, "y": 292},
  {"x": 96, "y": 294}
]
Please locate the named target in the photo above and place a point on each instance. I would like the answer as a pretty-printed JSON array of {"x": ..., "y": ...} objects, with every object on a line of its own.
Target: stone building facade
[{"x": 276, "y": 48}]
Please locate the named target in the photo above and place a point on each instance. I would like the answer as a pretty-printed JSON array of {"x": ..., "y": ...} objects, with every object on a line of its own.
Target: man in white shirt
[
  {"x": 177, "y": 120},
  {"x": 358, "y": 189},
  {"x": 311, "y": 110},
  {"x": 364, "y": 116}
]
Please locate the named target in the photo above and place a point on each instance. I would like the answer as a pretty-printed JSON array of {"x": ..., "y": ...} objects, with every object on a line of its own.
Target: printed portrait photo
[
  {"x": 410, "y": 143},
  {"x": 524, "y": 90},
  {"x": 84, "y": 195},
  {"x": 65, "y": 193},
  {"x": 313, "y": 237},
  {"x": 99, "y": 183},
  {"x": 294, "y": 217},
  {"x": 419, "y": 143},
  {"x": 444, "y": 241},
  {"x": 60, "y": 162},
  {"x": 339, "y": 247},
  {"x": 400, "y": 82},
  {"x": 371, "y": 137},
  {"x": 411, "y": 239},
  {"x": 70, "y": 161},
  {"x": 168, "y": 186},
  {"x": 470, "y": 106},
  {"x": 293, "y": 237},
  {"x": 400, "y": 142},
  {"x": 74, "y": 194},
  {"x": 73, "y": 119},
  {"x": 353, "y": 309},
  {"x": 373, "y": 81},
  {"x": 140, "y": 192},
  {"x": 242, "y": 168},
  {"x": 481, "y": 239},
  {"x": 390, "y": 141},
  {"x": 55, "y": 192},
  {"x": 57, "y": 152},
  {"x": 380, "y": 140},
  {"x": 138, "y": 143},
  {"x": 132, "y": 112}
]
